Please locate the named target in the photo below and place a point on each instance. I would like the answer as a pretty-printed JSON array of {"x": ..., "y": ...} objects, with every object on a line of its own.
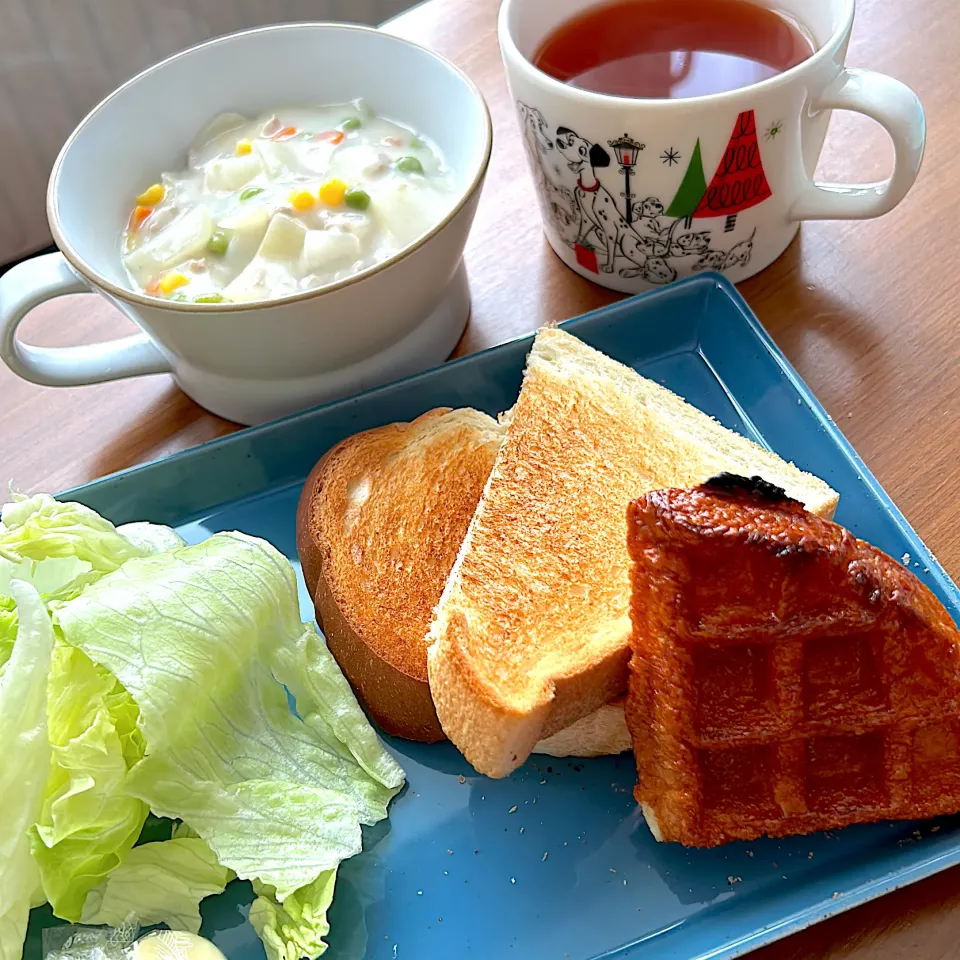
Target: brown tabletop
[{"x": 866, "y": 312}]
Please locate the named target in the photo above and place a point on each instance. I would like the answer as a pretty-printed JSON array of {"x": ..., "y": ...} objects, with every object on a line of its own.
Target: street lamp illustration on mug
[{"x": 627, "y": 151}]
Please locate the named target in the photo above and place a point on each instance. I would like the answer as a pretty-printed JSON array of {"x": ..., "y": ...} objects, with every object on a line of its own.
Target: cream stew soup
[{"x": 287, "y": 202}]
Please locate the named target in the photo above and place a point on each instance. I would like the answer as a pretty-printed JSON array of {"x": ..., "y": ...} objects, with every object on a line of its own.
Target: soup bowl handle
[
  {"x": 37, "y": 280},
  {"x": 896, "y": 108}
]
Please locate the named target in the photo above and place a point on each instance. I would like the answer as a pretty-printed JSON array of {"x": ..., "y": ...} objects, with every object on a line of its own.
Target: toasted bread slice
[
  {"x": 532, "y": 631},
  {"x": 786, "y": 677},
  {"x": 380, "y": 522}
]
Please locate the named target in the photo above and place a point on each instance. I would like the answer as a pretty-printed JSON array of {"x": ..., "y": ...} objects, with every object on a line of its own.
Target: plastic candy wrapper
[{"x": 76, "y": 942}]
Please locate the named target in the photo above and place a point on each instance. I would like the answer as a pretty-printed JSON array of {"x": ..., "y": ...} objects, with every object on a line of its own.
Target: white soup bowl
[{"x": 251, "y": 362}]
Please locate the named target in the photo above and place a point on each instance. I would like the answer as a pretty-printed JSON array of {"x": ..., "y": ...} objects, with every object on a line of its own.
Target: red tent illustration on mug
[{"x": 738, "y": 184}]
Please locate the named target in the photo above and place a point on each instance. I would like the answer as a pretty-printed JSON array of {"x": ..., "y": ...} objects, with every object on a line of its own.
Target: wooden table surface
[{"x": 866, "y": 312}]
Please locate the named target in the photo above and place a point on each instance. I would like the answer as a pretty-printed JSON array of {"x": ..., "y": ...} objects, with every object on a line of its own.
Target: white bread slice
[
  {"x": 532, "y": 630},
  {"x": 597, "y": 734},
  {"x": 380, "y": 521}
]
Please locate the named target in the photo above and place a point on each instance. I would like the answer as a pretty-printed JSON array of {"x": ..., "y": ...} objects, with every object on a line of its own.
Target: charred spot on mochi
[{"x": 755, "y": 487}]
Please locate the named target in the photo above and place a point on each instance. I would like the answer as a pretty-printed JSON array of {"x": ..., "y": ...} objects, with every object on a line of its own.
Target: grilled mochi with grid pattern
[{"x": 786, "y": 677}]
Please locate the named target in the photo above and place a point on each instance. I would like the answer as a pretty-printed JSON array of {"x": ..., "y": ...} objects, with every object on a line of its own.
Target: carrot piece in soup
[
  {"x": 287, "y": 133},
  {"x": 139, "y": 215},
  {"x": 330, "y": 136}
]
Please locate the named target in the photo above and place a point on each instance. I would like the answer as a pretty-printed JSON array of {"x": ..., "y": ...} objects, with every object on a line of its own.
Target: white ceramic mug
[
  {"x": 251, "y": 362},
  {"x": 636, "y": 193}
]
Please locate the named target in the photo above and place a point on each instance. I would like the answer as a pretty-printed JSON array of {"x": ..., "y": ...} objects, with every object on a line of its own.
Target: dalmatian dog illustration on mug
[
  {"x": 737, "y": 256},
  {"x": 587, "y": 214},
  {"x": 537, "y": 144},
  {"x": 654, "y": 270},
  {"x": 711, "y": 260},
  {"x": 557, "y": 200},
  {"x": 599, "y": 213},
  {"x": 648, "y": 222},
  {"x": 535, "y": 133},
  {"x": 690, "y": 244},
  {"x": 563, "y": 212},
  {"x": 665, "y": 245},
  {"x": 648, "y": 256}
]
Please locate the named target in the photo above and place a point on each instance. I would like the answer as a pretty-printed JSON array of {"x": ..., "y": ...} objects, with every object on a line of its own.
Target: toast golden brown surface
[
  {"x": 786, "y": 677},
  {"x": 532, "y": 631},
  {"x": 380, "y": 522}
]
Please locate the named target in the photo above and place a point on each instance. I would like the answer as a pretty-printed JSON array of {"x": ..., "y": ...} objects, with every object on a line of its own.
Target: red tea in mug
[{"x": 663, "y": 49}]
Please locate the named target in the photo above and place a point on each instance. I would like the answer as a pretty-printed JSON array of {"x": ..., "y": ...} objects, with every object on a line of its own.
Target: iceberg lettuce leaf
[
  {"x": 327, "y": 705},
  {"x": 294, "y": 928},
  {"x": 26, "y": 759},
  {"x": 89, "y": 821},
  {"x": 151, "y": 538},
  {"x": 8, "y": 628},
  {"x": 161, "y": 882},
  {"x": 215, "y": 630},
  {"x": 41, "y": 528}
]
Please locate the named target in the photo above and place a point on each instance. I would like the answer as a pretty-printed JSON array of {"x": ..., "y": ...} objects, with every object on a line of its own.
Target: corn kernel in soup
[{"x": 286, "y": 202}]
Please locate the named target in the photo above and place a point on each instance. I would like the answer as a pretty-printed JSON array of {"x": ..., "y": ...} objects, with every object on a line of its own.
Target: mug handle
[
  {"x": 38, "y": 279},
  {"x": 895, "y": 107}
]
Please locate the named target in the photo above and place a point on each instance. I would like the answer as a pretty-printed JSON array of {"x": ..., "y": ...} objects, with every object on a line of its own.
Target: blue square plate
[{"x": 555, "y": 861}]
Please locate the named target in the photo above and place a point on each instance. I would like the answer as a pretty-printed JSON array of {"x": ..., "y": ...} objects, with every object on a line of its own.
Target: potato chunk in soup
[{"x": 289, "y": 201}]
